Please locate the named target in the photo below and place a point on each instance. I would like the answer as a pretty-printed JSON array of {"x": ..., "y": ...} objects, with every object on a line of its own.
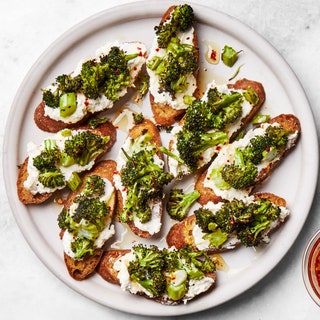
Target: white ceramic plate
[{"x": 295, "y": 179}]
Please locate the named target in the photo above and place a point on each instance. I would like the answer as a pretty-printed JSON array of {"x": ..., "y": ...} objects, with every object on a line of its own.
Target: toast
[
  {"x": 51, "y": 116},
  {"x": 115, "y": 268},
  {"x": 83, "y": 267},
  {"x": 206, "y": 181},
  {"x": 169, "y": 107},
  {"x": 28, "y": 191},
  {"x": 142, "y": 136},
  {"x": 249, "y": 107},
  {"x": 189, "y": 232}
]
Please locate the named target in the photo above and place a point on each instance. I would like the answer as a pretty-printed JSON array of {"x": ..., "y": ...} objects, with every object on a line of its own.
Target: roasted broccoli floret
[
  {"x": 146, "y": 269},
  {"x": 81, "y": 247},
  {"x": 52, "y": 178},
  {"x": 94, "y": 186},
  {"x": 85, "y": 146},
  {"x": 67, "y": 83},
  {"x": 49, "y": 158},
  {"x": 240, "y": 174},
  {"x": 278, "y": 136},
  {"x": 181, "y": 19},
  {"x": 85, "y": 224},
  {"x": 144, "y": 181},
  {"x": 191, "y": 145},
  {"x": 95, "y": 122},
  {"x": 174, "y": 67},
  {"x": 205, "y": 219},
  {"x": 179, "y": 203},
  {"x": 51, "y": 99}
]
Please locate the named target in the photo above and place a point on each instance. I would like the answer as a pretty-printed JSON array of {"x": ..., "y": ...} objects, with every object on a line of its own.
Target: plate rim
[{"x": 121, "y": 12}]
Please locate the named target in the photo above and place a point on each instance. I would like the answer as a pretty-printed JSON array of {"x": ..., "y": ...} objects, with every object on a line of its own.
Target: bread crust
[
  {"x": 26, "y": 197},
  {"x": 80, "y": 269},
  {"x": 288, "y": 122},
  {"x": 180, "y": 233},
  {"x": 163, "y": 113},
  {"x": 147, "y": 126}
]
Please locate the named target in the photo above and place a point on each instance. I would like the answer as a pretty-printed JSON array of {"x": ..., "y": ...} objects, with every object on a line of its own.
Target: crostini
[
  {"x": 227, "y": 225},
  {"x": 140, "y": 178},
  {"x": 166, "y": 276},
  {"x": 57, "y": 161},
  {"x": 94, "y": 86},
  {"x": 86, "y": 220},
  {"x": 173, "y": 64},
  {"x": 244, "y": 164}
]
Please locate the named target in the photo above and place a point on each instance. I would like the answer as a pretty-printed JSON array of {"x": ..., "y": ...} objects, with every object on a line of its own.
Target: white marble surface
[{"x": 27, "y": 289}]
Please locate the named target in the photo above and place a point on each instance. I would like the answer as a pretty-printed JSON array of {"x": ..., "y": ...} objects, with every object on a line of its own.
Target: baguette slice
[
  {"x": 49, "y": 120},
  {"x": 27, "y": 197},
  {"x": 164, "y": 112},
  {"x": 110, "y": 273},
  {"x": 146, "y": 127},
  {"x": 249, "y": 110},
  {"x": 289, "y": 122},
  {"x": 186, "y": 233},
  {"x": 80, "y": 269}
]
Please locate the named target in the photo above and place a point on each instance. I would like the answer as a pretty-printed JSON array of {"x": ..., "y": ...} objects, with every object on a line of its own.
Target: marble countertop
[{"x": 27, "y": 288}]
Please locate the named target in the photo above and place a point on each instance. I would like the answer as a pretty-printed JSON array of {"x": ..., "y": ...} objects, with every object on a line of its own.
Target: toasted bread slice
[
  {"x": 232, "y": 129},
  {"x": 50, "y": 120},
  {"x": 28, "y": 197},
  {"x": 80, "y": 269},
  {"x": 187, "y": 232},
  {"x": 110, "y": 273},
  {"x": 289, "y": 122},
  {"x": 146, "y": 127},
  {"x": 165, "y": 111}
]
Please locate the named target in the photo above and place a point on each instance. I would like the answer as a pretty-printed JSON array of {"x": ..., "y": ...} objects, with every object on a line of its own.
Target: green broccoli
[
  {"x": 240, "y": 174},
  {"x": 82, "y": 247},
  {"x": 94, "y": 186},
  {"x": 179, "y": 203},
  {"x": 205, "y": 219},
  {"x": 278, "y": 136},
  {"x": 85, "y": 224},
  {"x": 147, "y": 269},
  {"x": 52, "y": 178},
  {"x": 85, "y": 146},
  {"x": 144, "y": 181},
  {"x": 95, "y": 122},
  {"x": 181, "y": 19},
  {"x": 191, "y": 145},
  {"x": 174, "y": 67}
]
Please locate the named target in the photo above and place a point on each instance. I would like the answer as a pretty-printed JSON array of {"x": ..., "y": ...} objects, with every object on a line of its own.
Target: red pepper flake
[
  {"x": 268, "y": 148},
  {"x": 213, "y": 55},
  {"x": 218, "y": 148},
  {"x": 124, "y": 189},
  {"x": 116, "y": 71},
  {"x": 134, "y": 68},
  {"x": 158, "y": 49},
  {"x": 140, "y": 53},
  {"x": 86, "y": 102},
  {"x": 188, "y": 38}
]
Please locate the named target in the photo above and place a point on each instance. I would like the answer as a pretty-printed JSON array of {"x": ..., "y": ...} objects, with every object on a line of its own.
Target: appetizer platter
[{"x": 128, "y": 91}]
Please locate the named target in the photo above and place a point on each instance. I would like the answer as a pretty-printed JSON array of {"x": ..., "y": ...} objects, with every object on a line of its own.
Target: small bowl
[{"x": 311, "y": 267}]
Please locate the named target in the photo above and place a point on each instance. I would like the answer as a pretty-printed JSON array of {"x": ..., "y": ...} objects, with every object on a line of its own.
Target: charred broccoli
[
  {"x": 84, "y": 147},
  {"x": 191, "y": 145},
  {"x": 246, "y": 221},
  {"x": 144, "y": 181},
  {"x": 174, "y": 67},
  {"x": 240, "y": 174},
  {"x": 146, "y": 269},
  {"x": 94, "y": 186},
  {"x": 179, "y": 203},
  {"x": 85, "y": 224},
  {"x": 181, "y": 19}
]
